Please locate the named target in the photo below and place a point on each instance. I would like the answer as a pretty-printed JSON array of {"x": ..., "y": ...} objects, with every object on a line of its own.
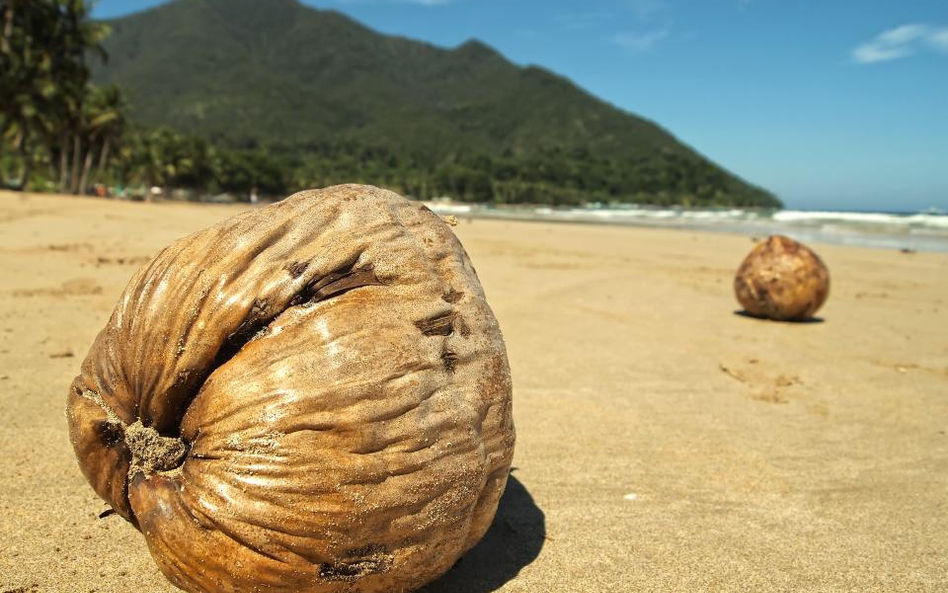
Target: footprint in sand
[
  {"x": 763, "y": 385},
  {"x": 69, "y": 247},
  {"x": 906, "y": 367},
  {"x": 73, "y": 287}
]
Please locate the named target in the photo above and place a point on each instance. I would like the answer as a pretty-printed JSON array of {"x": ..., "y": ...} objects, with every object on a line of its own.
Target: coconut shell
[
  {"x": 312, "y": 396},
  {"x": 782, "y": 279}
]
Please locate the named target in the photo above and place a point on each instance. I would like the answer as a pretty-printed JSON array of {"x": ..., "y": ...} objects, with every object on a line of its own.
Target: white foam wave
[
  {"x": 447, "y": 208},
  {"x": 866, "y": 218},
  {"x": 908, "y": 231}
]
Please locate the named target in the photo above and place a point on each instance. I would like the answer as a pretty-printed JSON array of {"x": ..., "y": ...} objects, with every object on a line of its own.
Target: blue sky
[{"x": 830, "y": 104}]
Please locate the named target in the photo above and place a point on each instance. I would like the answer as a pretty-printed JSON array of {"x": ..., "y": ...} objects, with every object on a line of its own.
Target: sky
[{"x": 830, "y": 104}]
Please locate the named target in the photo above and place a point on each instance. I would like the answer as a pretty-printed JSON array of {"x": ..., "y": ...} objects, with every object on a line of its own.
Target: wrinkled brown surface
[
  {"x": 313, "y": 396},
  {"x": 782, "y": 279}
]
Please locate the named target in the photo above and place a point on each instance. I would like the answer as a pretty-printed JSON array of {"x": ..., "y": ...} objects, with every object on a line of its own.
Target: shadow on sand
[
  {"x": 797, "y": 321},
  {"x": 513, "y": 541}
]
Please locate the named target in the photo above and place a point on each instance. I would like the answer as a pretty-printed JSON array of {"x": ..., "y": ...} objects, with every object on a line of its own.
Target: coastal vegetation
[{"x": 287, "y": 97}]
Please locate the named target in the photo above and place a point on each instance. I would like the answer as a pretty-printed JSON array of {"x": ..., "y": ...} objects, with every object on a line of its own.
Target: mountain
[{"x": 283, "y": 75}]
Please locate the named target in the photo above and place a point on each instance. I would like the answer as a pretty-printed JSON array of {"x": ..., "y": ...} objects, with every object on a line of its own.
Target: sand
[{"x": 664, "y": 442}]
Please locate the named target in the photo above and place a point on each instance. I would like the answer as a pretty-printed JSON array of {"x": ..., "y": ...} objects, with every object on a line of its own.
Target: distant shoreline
[
  {"x": 884, "y": 230},
  {"x": 906, "y": 232}
]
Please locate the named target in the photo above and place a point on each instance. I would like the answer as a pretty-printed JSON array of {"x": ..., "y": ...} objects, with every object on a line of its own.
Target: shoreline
[
  {"x": 913, "y": 232},
  {"x": 864, "y": 240},
  {"x": 810, "y": 227}
]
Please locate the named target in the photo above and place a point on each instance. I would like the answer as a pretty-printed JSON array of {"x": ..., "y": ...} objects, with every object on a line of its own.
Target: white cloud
[
  {"x": 870, "y": 53},
  {"x": 900, "y": 35},
  {"x": 639, "y": 41},
  {"x": 901, "y": 42},
  {"x": 939, "y": 39}
]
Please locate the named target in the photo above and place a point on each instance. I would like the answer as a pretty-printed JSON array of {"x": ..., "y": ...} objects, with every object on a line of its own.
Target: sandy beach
[{"x": 665, "y": 443}]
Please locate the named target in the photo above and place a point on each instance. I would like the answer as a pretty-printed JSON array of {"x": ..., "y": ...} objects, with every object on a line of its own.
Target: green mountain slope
[{"x": 310, "y": 81}]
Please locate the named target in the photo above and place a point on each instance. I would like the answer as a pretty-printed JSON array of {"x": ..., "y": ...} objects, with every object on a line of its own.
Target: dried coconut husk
[
  {"x": 312, "y": 396},
  {"x": 782, "y": 279}
]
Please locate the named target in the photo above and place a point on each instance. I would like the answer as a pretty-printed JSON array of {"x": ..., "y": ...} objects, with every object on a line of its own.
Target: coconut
[
  {"x": 312, "y": 396},
  {"x": 782, "y": 279}
]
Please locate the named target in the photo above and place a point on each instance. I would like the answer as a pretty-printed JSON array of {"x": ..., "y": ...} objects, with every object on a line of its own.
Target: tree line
[
  {"x": 49, "y": 113},
  {"x": 61, "y": 132}
]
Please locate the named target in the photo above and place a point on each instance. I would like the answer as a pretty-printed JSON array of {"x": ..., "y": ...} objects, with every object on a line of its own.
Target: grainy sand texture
[{"x": 664, "y": 442}]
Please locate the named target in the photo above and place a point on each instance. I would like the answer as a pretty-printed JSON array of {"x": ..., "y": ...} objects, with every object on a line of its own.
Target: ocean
[{"x": 922, "y": 231}]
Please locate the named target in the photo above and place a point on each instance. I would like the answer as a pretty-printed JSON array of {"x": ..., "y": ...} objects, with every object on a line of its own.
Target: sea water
[{"x": 922, "y": 231}]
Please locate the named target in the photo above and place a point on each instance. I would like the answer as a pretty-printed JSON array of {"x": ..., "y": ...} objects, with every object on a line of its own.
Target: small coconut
[{"x": 782, "y": 279}]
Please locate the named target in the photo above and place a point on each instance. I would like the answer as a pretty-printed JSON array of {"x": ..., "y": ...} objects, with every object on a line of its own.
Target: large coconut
[
  {"x": 312, "y": 396},
  {"x": 781, "y": 279}
]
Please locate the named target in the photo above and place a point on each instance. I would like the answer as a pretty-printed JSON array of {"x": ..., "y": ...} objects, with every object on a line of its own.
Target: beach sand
[{"x": 664, "y": 442}]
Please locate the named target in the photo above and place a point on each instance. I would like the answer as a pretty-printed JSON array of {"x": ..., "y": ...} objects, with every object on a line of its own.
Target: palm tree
[
  {"x": 80, "y": 36},
  {"x": 112, "y": 122},
  {"x": 24, "y": 77},
  {"x": 104, "y": 120},
  {"x": 43, "y": 73}
]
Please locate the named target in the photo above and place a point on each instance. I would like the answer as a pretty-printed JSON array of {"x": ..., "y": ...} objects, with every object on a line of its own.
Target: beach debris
[
  {"x": 451, "y": 220},
  {"x": 781, "y": 279},
  {"x": 62, "y": 354},
  {"x": 631, "y": 496},
  {"x": 734, "y": 374},
  {"x": 122, "y": 261},
  {"x": 334, "y": 417},
  {"x": 863, "y": 294}
]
